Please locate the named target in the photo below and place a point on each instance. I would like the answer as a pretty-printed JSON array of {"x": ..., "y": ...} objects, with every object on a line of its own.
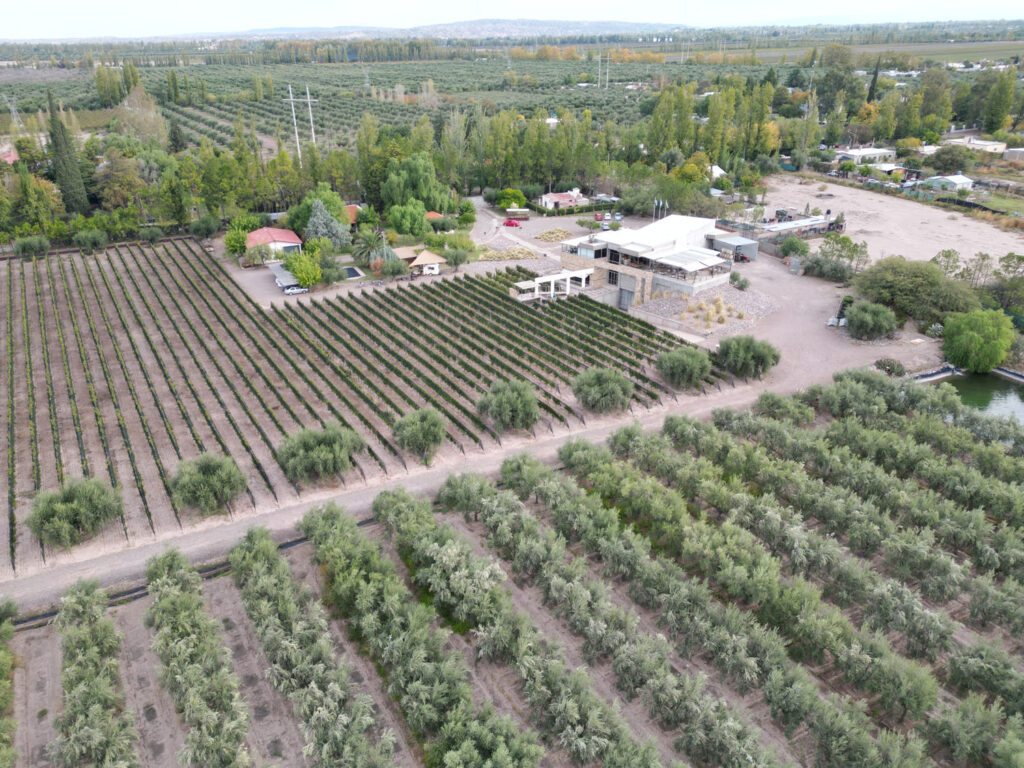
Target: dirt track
[{"x": 894, "y": 225}]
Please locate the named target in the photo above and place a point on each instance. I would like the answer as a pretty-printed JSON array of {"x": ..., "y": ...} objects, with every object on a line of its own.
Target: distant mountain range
[{"x": 476, "y": 29}]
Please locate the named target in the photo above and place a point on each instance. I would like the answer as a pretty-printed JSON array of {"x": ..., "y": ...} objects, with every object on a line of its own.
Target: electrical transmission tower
[
  {"x": 295, "y": 123},
  {"x": 12, "y": 105}
]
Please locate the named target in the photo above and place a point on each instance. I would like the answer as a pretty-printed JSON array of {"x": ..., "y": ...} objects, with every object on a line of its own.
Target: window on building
[
  {"x": 613, "y": 257},
  {"x": 613, "y": 277}
]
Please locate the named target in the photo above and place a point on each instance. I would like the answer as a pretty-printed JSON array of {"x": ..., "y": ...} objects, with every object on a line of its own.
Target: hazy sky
[{"x": 131, "y": 18}]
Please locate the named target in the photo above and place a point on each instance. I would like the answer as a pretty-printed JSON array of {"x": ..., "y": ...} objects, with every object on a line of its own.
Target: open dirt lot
[{"x": 892, "y": 225}]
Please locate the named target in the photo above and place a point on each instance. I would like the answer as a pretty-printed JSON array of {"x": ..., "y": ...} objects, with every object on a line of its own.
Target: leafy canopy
[
  {"x": 603, "y": 389},
  {"x": 978, "y": 341},
  {"x": 867, "y": 320},
  {"x": 420, "y": 432},
  {"x": 311, "y": 454},
  {"x": 77, "y": 511},
  {"x": 684, "y": 367},
  {"x": 207, "y": 482},
  {"x": 511, "y": 404},
  {"x": 746, "y": 356}
]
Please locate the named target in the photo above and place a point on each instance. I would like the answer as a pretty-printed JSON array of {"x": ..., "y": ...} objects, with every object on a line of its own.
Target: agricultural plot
[
  {"x": 691, "y": 596},
  {"x": 119, "y": 366}
]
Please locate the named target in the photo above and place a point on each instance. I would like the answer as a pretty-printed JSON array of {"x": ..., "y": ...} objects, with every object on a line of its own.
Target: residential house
[
  {"x": 277, "y": 240},
  {"x": 553, "y": 201},
  {"x": 953, "y": 182}
]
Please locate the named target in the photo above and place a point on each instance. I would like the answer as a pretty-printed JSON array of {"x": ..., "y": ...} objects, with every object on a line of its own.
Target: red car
[{"x": 511, "y": 223}]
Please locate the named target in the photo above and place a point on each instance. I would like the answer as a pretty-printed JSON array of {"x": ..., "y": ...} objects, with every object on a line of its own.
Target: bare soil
[
  {"x": 892, "y": 225},
  {"x": 161, "y": 732},
  {"x": 274, "y": 735},
  {"x": 37, "y": 693}
]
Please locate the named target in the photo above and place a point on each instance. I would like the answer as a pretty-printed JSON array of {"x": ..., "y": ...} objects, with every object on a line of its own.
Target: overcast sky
[{"x": 130, "y": 18}]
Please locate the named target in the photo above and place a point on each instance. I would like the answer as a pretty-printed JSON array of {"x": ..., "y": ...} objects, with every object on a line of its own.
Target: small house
[
  {"x": 554, "y": 201},
  {"x": 277, "y": 240},
  {"x": 352, "y": 211},
  {"x": 423, "y": 263},
  {"x": 1014, "y": 154}
]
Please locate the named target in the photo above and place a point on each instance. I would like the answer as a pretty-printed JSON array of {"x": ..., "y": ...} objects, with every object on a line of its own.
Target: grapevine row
[{"x": 50, "y": 398}]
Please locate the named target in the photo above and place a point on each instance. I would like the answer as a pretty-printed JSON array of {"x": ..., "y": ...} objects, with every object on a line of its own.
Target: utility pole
[
  {"x": 309, "y": 103},
  {"x": 295, "y": 123}
]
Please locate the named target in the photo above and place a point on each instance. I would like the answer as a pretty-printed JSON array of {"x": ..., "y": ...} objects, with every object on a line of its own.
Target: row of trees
[{"x": 429, "y": 682}]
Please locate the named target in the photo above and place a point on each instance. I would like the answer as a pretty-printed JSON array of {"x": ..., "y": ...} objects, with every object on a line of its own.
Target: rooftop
[
  {"x": 284, "y": 278},
  {"x": 268, "y": 235}
]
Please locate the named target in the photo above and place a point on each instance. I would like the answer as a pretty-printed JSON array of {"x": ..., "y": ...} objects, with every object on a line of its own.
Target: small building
[
  {"x": 9, "y": 157},
  {"x": 277, "y": 240},
  {"x": 554, "y": 201},
  {"x": 352, "y": 211},
  {"x": 674, "y": 255},
  {"x": 978, "y": 145},
  {"x": 1014, "y": 154},
  {"x": 423, "y": 263},
  {"x": 282, "y": 277},
  {"x": 434, "y": 215},
  {"x": 735, "y": 247},
  {"x": 865, "y": 155},
  {"x": 954, "y": 182}
]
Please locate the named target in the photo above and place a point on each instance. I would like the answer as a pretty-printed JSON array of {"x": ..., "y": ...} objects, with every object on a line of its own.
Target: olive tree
[
  {"x": 867, "y": 320},
  {"x": 746, "y": 356},
  {"x": 312, "y": 454},
  {"x": 684, "y": 367},
  {"x": 420, "y": 432},
  {"x": 78, "y": 510},
  {"x": 603, "y": 389},
  {"x": 208, "y": 482},
  {"x": 510, "y": 404}
]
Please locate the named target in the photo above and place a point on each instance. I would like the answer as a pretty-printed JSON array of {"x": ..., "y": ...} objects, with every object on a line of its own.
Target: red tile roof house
[
  {"x": 278, "y": 240},
  {"x": 352, "y": 211},
  {"x": 10, "y": 157},
  {"x": 556, "y": 200}
]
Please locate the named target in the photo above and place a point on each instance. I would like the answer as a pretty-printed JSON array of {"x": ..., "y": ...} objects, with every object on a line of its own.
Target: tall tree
[
  {"x": 66, "y": 172},
  {"x": 873, "y": 88},
  {"x": 1000, "y": 101}
]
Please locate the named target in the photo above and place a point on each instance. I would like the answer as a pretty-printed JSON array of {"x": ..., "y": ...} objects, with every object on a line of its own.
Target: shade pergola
[{"x": 550, "y": 285}]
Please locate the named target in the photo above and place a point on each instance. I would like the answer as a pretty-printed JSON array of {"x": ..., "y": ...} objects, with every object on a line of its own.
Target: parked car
[
  {"x": 617, "y": 216},
  {"x": 605, "y": 225},
  {"x": 510, "y": 223},
  {"x": 607, "y": 217},
  {"x": 295, "y": 290},
  {"x": 598, "y": 216}
]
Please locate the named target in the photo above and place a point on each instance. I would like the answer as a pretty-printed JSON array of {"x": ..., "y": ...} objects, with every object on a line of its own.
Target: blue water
[
  {"x": 991, "y": 394},
  {"x": 352, "y": 272}
]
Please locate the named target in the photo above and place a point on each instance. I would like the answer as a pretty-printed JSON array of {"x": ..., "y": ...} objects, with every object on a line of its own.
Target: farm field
[
  {"x": 120, "y": 365},
  {"x": 805, "y": 583}
]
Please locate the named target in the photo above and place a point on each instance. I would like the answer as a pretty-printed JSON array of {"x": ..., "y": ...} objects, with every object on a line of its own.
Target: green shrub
[
  {"x": 919, "y": 289},
  {"x": 35, "y": 245},
  {"x": 150, "y": 234},
  {"x": 394, "y": 268},
  {"x": 739, "y": 281},
  {"x": 978, "y": 341},
  {"x": 234, "y": 241},
  {"x": 89, "y": 240},
  {"x": 867, "y": 320},
  {"x": 511, "y": 404},
  {"x": 890, "y": 367},
  {"x": 746, "y": 356},
  {"x": 204, "y": 227},
  {"x": 603, "y": 389},
  {"x": 836, "y": 270},
  {"x": 420, "y": 432},
  {"x": 783, "y": 408},
  {"x": 318, "y": 454},
  {"x": 207, "y": 482},
  {"x": 77, "y": 511},
  {"x": 684, "y": 367},
  {"x": 794, "y": 246}
]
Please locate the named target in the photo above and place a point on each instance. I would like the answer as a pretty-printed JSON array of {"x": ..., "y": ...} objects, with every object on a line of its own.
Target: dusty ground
[{"x": 893, "y": 225}]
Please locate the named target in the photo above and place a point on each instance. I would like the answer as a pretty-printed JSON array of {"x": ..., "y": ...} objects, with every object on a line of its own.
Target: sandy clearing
[{"x": 894, "y": 225}]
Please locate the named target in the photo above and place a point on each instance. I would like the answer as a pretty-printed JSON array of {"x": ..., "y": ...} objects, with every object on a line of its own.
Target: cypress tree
[
  {"x": 66, "y": 172},
  {"x": 873, "y": 89}
]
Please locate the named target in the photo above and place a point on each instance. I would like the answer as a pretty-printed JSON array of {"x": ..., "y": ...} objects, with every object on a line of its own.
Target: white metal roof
[{"x": 284, "y": 278}]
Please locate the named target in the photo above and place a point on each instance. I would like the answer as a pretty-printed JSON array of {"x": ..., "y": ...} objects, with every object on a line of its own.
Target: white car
[
  {"x": 607, "y": 217},
  {"x": 295, "y": 290}
]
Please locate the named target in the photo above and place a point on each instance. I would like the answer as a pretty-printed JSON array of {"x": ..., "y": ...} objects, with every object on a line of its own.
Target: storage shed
[{"x": 735, "y": 245}]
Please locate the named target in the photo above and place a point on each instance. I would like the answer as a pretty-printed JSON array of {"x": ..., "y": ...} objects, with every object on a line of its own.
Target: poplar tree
[{"x": 66, "y": 172}]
